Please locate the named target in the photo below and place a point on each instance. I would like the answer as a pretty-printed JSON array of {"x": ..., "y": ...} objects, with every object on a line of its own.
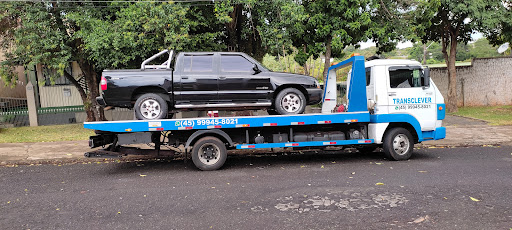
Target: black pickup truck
[{"x": 206, "y": 81}]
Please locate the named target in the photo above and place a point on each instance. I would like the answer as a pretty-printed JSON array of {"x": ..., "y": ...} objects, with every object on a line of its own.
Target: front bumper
[
  {"x": 314, "y": 95},
  {"x": 437, "y": 134}
]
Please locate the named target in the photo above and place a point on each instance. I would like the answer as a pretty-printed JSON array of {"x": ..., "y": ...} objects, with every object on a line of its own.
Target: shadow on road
[{"x": 289, "y": 159}]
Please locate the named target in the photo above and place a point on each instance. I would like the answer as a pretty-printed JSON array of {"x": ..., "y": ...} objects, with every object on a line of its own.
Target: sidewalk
[{"x": 460, "y": 132}]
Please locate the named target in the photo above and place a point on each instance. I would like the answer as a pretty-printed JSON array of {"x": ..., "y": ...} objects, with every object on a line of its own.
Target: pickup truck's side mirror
[
  {"x": 255, "y": 69},
  {"x": 426, "y": 78}
]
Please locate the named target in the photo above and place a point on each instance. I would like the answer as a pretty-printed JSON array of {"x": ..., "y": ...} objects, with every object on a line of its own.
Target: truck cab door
[
  {"x": 239, "y": 82},
  {"x": 408, "y": 94},
  {"x": 198, "y": 80}
]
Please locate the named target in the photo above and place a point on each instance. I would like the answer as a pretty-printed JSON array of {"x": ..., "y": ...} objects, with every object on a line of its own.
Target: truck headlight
[{"x": 317, "y": 85}]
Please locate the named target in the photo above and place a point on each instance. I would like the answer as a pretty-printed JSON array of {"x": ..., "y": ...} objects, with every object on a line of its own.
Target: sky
[{"x": 403, "y": 45}]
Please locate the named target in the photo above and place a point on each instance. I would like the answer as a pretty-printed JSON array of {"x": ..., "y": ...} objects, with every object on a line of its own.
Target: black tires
[
  {"x": 151, "y": 106},
  {"x": 290, "y": 101},
  {"x": 398, "y": 144},
  {"x": 209, "y": 153}
]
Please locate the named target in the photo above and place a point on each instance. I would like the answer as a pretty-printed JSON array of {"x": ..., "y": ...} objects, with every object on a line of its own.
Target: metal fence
[{"x": 14, "y": 113}]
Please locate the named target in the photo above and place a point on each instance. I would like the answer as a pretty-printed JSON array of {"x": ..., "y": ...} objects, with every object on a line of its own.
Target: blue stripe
[
  {"x": 304, "y": 144},
  {"x": 403, "y": 118},
  {"x": 225, "y": 122}
]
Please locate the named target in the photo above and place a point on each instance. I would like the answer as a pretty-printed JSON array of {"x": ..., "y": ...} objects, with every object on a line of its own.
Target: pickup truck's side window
[
  {"x": 405, "y": 78},
  {"x": 234, "y": 63},
  {"x": 198, "y": 63}
]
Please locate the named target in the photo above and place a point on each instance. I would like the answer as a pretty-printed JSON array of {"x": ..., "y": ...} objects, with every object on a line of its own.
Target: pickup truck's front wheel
[
  {"x": 150, "y": 106},
  {"x": 290, "y": 101}
]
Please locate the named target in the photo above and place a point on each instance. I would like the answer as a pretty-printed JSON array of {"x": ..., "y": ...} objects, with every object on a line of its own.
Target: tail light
[{"x": 103, "y": 83}]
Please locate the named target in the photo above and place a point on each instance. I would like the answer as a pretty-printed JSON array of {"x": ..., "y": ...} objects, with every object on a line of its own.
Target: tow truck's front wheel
[
  {"x": 209, "y": 153},
  {"x": 150, "y": 106},
  {"x": 398, "y": 144}
]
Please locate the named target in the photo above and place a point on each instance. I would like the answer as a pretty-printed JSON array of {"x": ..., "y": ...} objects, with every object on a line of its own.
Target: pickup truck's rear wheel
[
  {"x": 398, "y": 144},
  {"x": 209, "y": 153},
  {"x": 290, "y": 101},
  {"x": 150, "y": 106}
]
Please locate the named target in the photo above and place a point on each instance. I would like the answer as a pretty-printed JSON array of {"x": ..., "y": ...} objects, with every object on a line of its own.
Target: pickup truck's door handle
[
  {"x": 222, "y": 78},
  {"x": 391, "y": 94},
  {"x": 184, "y": 77}
]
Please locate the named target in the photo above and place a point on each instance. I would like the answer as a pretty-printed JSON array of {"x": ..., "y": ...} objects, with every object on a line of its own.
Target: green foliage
[
  {"x": 440, "y": 18},
  {"x": 140, "y": 30},
  {"x": 41, "y": 39}
]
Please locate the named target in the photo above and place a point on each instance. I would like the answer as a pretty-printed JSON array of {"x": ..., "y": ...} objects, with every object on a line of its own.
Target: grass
[
  {"x": 495, "y": 115},
  {"x": 71, "y": 132}
]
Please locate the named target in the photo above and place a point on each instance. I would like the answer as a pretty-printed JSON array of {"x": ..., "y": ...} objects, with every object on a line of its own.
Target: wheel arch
[
  {"x": 223, "y": 136},
  {"x": 296, "y": 86},
  {"x": 150, "y": 89},
  {"x": 404, "y": 125}
]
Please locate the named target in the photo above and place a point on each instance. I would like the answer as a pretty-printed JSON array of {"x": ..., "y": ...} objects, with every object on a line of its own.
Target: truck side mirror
[
  {"x": 255, "y": 69},
  {"x": 426, "y": 78}
]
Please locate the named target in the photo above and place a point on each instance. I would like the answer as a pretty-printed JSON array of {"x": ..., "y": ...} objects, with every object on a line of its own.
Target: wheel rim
[
  {"x": 291, "y": 102},
  {"x": 150, "y": 109},
  {"x": 209, "y": 154},
  {"x": 401, "y": 144}
]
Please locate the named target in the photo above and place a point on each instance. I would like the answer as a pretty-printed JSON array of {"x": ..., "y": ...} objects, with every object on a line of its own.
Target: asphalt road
[{"x": 452, "y": 188}]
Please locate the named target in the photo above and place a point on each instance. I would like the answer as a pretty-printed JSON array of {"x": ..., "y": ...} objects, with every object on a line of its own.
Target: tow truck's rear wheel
[
  {"x": 398, "y": 144},
  {"x": 150, "y": 106},
  {"x": 209, "y": 153},
  {"x": 290, "y": 101}
]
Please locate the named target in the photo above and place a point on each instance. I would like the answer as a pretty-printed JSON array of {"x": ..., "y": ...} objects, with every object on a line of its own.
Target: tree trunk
[
  {"x": 424, "y": 54},
  {"x": 328, "y": 49},
  {"x": 306, "y": 66},
  {"x": 450, "y": 59},
  {"x": 93, "y": 110},
  {"x": 232, "y": 28}
]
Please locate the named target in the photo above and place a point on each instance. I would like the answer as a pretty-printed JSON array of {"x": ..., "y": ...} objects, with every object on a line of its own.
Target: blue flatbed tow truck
[{"x": 391, "y": 104}]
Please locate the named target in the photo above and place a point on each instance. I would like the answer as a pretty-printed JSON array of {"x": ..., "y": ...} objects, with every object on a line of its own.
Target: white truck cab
[
  {"x": 398, "y": 93},
  {"x": 399, "y": 87}
]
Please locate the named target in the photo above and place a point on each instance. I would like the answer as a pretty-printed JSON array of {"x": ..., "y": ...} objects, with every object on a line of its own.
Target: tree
[
  {"x": 452, "y": 22},
  {"x": 137, "y": 31},
  {"x": 482, "y": 48},
  {"x": 39, "y": 33},
  {"x": 244, "y": 21}
]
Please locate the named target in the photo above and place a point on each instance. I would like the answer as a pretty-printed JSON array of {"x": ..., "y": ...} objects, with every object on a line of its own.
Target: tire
[
  {"x": 290, "y": 101},
  {"x": 398, "y": 144},
  {"x": 209, "y": 153},
  {"x": 151, "y": 106}
]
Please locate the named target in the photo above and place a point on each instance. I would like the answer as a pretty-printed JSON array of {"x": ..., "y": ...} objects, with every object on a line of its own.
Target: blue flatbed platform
[{"x": 227, "y": 122}]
